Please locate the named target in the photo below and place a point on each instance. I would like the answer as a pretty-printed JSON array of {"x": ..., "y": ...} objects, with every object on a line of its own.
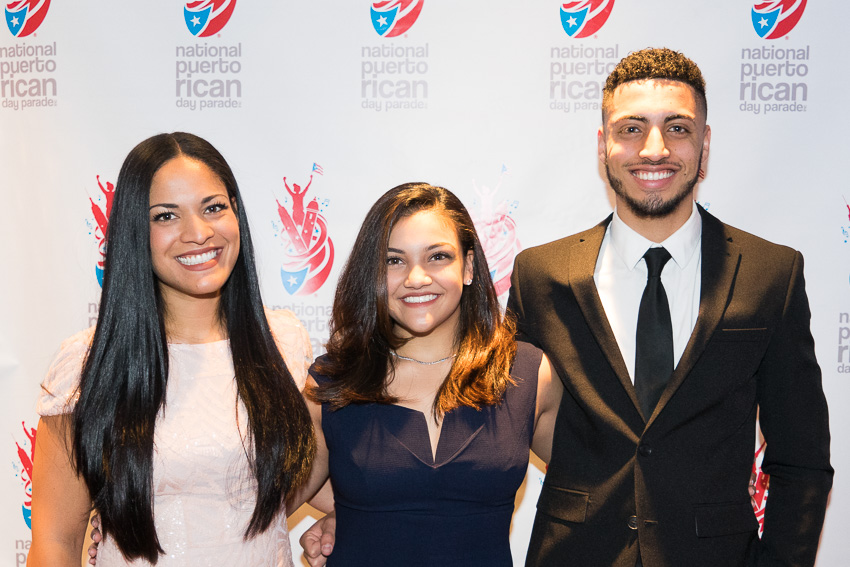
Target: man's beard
[{"x": 653, "y": 207}]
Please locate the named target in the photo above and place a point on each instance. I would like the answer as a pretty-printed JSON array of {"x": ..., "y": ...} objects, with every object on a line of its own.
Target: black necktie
[{"x": 654, "y": 348}]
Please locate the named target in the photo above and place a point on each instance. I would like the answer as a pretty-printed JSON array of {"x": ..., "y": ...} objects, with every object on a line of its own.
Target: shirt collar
[{"x": 681, "y": 245}]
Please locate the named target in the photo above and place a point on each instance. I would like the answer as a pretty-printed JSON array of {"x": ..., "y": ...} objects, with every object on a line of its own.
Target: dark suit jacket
[{"x": 675, "y": 483}]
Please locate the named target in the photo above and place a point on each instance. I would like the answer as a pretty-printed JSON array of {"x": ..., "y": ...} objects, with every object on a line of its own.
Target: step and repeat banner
[{"x": 323, "y": 106}]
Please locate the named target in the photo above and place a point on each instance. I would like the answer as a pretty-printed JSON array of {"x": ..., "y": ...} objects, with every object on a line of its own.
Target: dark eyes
[
  {"x": 211, "y": 209},
  {"x": 167, "y": 216},
  {"x": 435, "y": 257},
  {"x": 675, "y": 129},
  {"x": 216, "y": 208}
]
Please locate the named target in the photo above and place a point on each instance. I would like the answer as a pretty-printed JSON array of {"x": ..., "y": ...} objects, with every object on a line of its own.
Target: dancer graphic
[
  {"x": 309, "y": 251},
  {"x": 101, "y": 217},
  {"x": 26, "y": 458},
  {"x": 498, "y": 233},
  {"x": 298, "y": 199}
]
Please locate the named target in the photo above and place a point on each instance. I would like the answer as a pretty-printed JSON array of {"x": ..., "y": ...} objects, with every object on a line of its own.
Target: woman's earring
[{"x": 468, "y": 282}]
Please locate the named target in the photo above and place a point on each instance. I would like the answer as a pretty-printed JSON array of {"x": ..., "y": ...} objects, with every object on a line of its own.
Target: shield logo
[
  {"x": 205, "y": 18},
  {"x": 196, "y": 21},
  {"x": 583, "y": 18},
  {"x": 24, "y": 16},
  {"x": 15, "y": 20},
  {"x": 764, "y": 22},
  {"x": 391, "y": 18},
  {"x": 573, "y": 21},
  {"x": 382, "y": 21},
  {"x": 292, "y": 281},
  {"x": 773, "y": 19}
]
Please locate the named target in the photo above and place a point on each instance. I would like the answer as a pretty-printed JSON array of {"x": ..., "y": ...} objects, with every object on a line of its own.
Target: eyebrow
[
  {"x": 679, "y": 117},
  {"x": 204, "y": 201},
  {"x": 432, "y": 247},
  {"x": 644, "y": 119}
]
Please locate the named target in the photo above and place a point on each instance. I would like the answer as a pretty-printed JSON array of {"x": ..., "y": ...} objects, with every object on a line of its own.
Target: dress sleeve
[
  {"x": 293, "y": 341},
  {"x": 59, "y": 390}
]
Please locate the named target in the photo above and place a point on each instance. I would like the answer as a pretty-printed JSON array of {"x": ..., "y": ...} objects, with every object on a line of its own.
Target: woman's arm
[
  {"x": 318, "y": 540},
  {"x": 319, "y": 470},
  {"x": 323, "y": 501},
  {"x": 60, "y": 499},
  {"x": 549, "y": 392}
]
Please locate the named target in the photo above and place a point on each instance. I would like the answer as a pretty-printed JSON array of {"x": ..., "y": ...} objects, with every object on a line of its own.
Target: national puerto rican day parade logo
[
  {"x": 585, "y": 17},
  {"x": 24, "y": 16},
  {"x": 776, "y": 18},
  {"x": 308, "y": 249},
  {"x": 577, "y": 70},
  {"x": 497, "y": 231},
  {"x": 205, "y": 18},
  {"x": 391, "y": 18},
  {"x": 101, "y": 207},
  {"x": 27, "y": 70},
  {"x": 23, "y": 469}
]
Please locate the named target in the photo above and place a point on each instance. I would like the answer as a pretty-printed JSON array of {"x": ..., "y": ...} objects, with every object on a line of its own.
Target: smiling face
[
  {"x": 426, "y": 270},
  {"x": 194, "y": 232},
  {"x": 653, "y": 143}
]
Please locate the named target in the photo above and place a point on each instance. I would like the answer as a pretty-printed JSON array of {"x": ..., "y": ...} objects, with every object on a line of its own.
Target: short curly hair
[{"x": 655, "y": 63}]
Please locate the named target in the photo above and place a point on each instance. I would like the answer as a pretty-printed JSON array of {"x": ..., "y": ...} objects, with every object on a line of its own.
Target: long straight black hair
[{"x": 123, "y": 383}]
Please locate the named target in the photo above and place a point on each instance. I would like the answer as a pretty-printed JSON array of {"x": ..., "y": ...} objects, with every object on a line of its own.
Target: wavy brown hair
[{"x": 359, "y": 352}]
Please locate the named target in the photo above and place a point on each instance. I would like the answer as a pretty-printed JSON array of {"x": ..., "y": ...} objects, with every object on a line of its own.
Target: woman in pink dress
[{"x": 179, "y": 416}]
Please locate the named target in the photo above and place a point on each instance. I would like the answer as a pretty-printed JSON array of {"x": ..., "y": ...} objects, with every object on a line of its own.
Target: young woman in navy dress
[{"x": 424, "y": 405}]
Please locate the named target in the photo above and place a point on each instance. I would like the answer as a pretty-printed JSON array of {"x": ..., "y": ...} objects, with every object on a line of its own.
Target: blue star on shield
[
  {"x": 383, "y": 21},
  {"x": 572, "y": 21},
  {"x": 15, "y": 20},
  {"x": 292, "y": 281},
  {"x": 764, "y": 22},
  {"x": 196, "y": 21}
]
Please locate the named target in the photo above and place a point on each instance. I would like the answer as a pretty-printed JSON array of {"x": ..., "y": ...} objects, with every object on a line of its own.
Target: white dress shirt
[{"x": 620, "y": 278}]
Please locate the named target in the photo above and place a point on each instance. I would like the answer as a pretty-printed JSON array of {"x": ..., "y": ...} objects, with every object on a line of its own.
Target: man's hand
[
  {"x": 318, "y": 541},
  {"x": 752, "y": 490}
]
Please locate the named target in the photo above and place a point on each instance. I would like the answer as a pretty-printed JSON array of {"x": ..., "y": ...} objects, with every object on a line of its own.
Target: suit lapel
[
  {"x": 583, "y": 256},
  {"x": 720, "y": 261}
]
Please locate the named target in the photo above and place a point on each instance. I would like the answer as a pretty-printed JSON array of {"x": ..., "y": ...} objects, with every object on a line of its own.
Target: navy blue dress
[{"x": 397, "y": 505}]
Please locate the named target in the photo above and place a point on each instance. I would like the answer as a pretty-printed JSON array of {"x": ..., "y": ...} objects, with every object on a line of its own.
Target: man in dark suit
[{"x": 654, "y": 440}]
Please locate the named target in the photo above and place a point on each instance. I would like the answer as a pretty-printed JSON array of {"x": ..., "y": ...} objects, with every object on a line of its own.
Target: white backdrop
[{"x": 496, "y": 100}]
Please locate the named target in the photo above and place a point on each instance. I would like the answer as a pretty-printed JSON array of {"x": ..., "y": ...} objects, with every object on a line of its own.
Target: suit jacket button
[
  {"x": 645, "y": 450},
  {"x": 633, "y": 522}
]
